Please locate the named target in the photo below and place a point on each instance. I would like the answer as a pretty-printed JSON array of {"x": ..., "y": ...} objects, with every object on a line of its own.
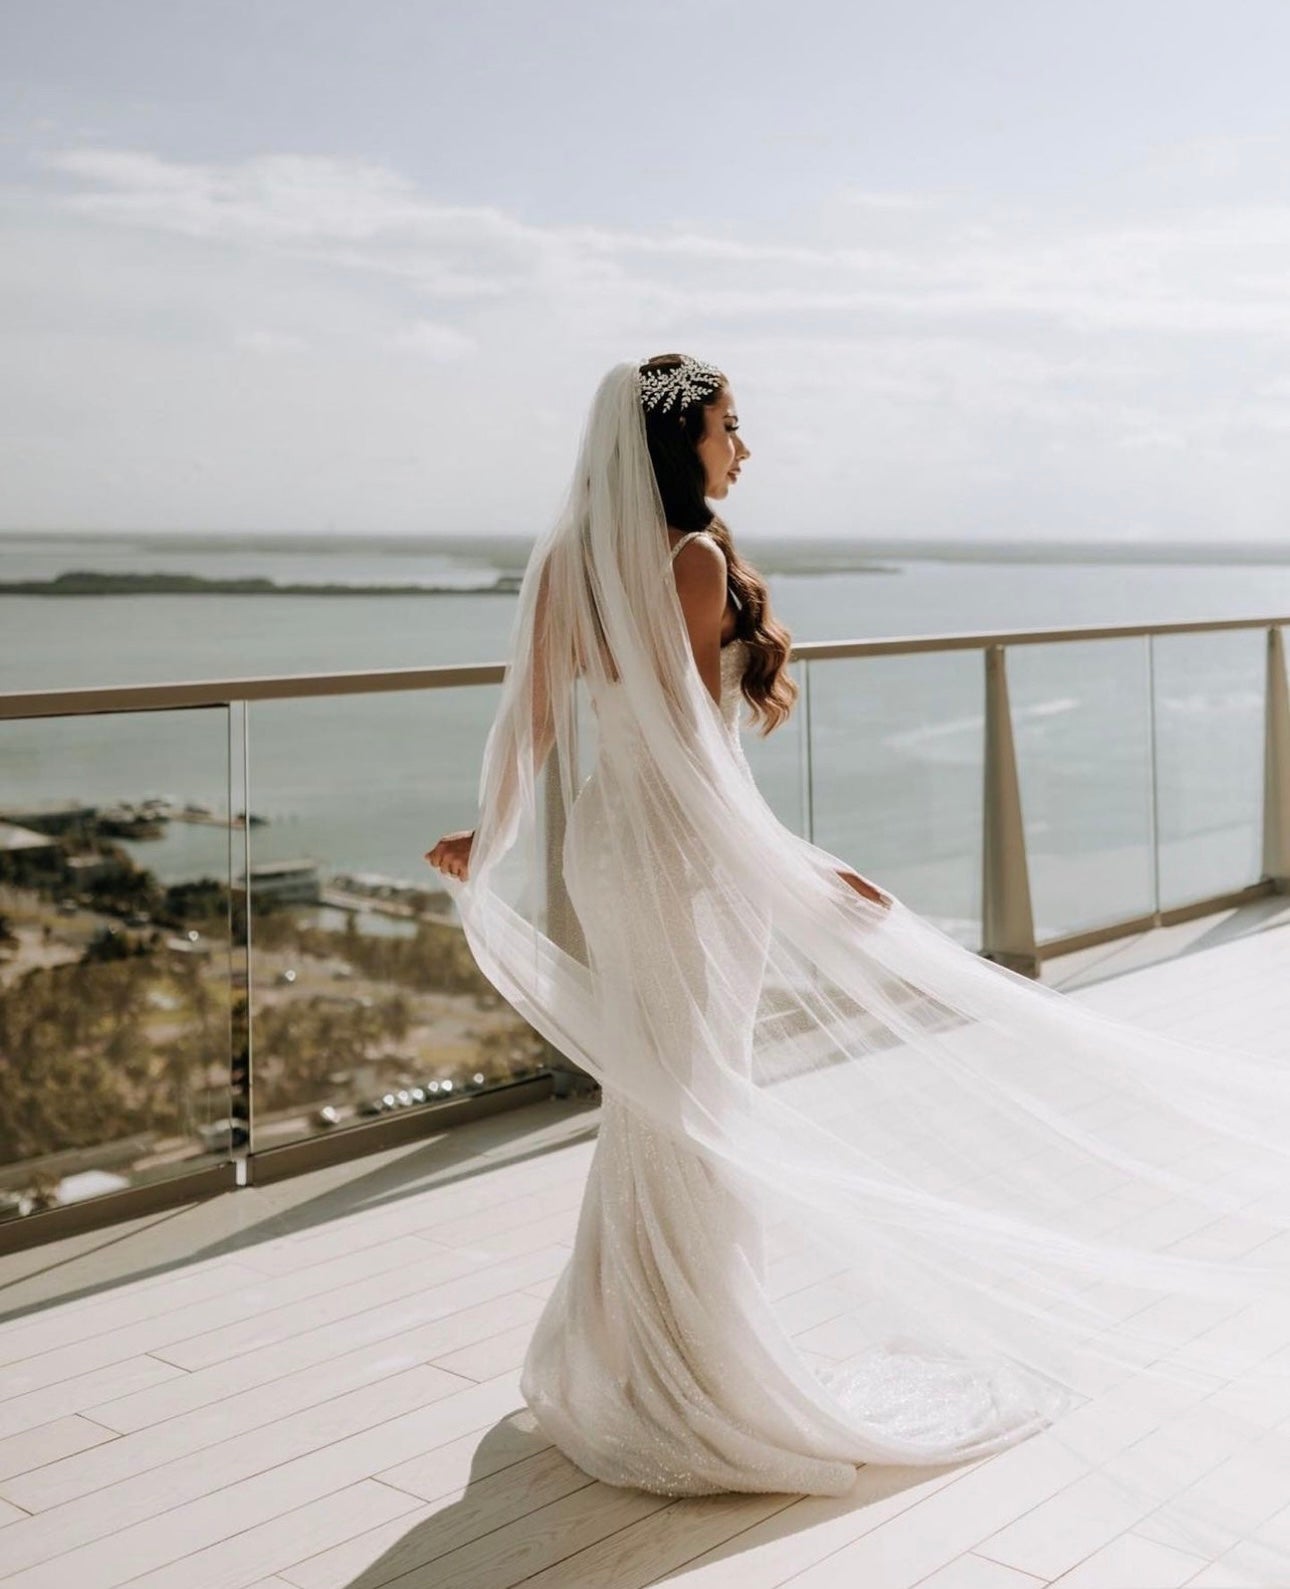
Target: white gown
[{"x": 659, "y": 1361}]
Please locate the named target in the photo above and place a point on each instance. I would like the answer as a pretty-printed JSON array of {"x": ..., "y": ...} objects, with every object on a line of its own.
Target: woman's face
[{"x": 720, "y": 447}]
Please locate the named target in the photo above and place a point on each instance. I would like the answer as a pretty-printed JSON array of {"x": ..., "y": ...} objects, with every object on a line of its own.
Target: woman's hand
[
  {"x": 866, "y": 889},
  {"x": 452, "y": 854}
]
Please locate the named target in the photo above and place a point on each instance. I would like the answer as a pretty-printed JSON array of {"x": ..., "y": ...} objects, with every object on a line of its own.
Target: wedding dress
[
  {"x": 658, "y": 1361},
  {"x": 815, "y": 1108}
]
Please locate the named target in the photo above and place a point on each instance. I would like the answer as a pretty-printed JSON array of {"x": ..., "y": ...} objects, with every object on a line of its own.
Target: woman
[{"x": 820, "y": 1115}]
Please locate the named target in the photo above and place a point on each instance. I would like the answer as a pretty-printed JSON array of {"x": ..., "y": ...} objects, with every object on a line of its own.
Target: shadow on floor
[
  {"x": 1126, "y": 956},
  {"x": 489, "y": 1533},
  {"x": 195, "y": 1232}
]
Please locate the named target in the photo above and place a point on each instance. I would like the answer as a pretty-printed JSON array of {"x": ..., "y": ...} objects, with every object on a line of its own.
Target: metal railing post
[
  {"x": 1153, "y": 773},
  {"x": 808, "y": 761},
  {"x": 241, "y": 1109},
  {"x": 1007, "y": 917},
  {"x": 1276, "y": 768}
]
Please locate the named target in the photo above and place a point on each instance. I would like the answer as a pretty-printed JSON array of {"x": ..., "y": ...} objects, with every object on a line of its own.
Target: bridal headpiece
[{"x": 690, "y": 381}]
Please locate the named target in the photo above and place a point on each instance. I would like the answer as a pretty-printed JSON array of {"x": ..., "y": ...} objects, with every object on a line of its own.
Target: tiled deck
[{"x": 315, "y": 1384}]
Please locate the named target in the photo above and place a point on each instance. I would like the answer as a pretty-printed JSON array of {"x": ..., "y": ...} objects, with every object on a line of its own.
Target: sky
[{"x": 985, "y": 269}]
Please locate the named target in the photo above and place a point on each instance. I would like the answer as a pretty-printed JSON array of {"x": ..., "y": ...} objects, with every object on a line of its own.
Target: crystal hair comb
[{"x": 691, "y": 381}]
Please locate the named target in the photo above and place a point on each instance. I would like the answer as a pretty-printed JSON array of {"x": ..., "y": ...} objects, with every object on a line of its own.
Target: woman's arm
[
  {"x": 452, "y": 853},
  {"x": 541, "y": 726}
]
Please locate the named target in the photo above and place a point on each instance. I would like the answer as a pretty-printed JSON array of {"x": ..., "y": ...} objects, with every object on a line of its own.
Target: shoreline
[{"x": 82, "y": 582}]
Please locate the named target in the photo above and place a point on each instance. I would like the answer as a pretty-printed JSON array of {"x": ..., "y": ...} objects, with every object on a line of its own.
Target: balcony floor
[{"x": 315, "y": 1384}]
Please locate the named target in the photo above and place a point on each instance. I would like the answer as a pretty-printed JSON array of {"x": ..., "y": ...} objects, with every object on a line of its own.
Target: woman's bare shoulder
[
  {"x": 700, "y": 570},
  {"x": 700, "y": 560}
]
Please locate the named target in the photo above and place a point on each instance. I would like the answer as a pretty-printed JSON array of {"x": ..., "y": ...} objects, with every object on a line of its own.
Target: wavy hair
[{"x": 673, "y": 439}]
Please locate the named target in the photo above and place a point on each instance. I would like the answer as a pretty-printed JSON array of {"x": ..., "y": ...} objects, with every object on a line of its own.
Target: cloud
[
  {"x": 904, "y": 202},
  {"x": 906, "y": 362},
  {"x": 269, "y": 341},
  {"x": 349, "y": 212},
  {"x": 1215, "y": 269},
  {"x": 438, "y": 342}
]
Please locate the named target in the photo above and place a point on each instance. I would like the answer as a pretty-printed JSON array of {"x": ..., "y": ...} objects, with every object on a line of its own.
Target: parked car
[
  {"x": 14, "y": 1205},
  {"x": 221, "y": 1136}
]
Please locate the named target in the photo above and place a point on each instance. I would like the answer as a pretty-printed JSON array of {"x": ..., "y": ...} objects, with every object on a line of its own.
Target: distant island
[
  {"x": 495, "y": 564},
  {"x": 87, "y": 582}
]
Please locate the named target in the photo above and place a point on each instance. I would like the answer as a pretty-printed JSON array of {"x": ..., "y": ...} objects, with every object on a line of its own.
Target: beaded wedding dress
[{"x": 819, "y": 1112}]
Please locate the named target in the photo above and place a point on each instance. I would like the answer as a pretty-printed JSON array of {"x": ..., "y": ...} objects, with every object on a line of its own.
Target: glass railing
[
  {"x": 365, "y": 999},
  {"x": 1210, "y": 729},
  {"x": 895, "y": 756},
  {"x": 1028, "y": 792},
  {"x": 1081, "y": 723},
  {"x": 116, "y": 989}
]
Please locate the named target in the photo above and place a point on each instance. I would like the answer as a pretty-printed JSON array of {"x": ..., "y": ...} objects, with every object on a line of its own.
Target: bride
[{"x": 857, "y": 1194}]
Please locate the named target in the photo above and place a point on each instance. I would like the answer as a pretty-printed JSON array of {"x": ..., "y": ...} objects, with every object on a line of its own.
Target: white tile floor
[{"x": 315, "y": 1384}]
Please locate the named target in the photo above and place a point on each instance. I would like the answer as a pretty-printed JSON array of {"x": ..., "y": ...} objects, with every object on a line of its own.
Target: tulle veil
[{"x": 986, "y": 1170}]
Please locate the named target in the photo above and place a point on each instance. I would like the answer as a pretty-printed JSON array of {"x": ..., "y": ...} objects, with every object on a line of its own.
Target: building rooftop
[
  {"x": 314, "y": 1383},
  {"x": 49, "y": 808},
  {"x": 282, "y": 868},
  {"x": 13, "y": 837}
]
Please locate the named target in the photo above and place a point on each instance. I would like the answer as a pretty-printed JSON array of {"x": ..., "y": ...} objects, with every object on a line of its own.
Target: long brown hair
[{"x": 673, "y": 441}]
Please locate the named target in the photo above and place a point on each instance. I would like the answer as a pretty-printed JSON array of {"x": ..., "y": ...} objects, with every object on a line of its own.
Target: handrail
[
  {"x": 77, "y": 701},
  {"x": 983, "y": 640}
]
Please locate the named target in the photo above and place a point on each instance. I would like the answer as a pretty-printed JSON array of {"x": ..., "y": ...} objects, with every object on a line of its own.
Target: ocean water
[{"x": 892, "y": 781}]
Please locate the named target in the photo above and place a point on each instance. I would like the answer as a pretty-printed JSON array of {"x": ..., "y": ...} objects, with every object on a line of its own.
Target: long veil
[{"x": 988, "y": 1172}]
